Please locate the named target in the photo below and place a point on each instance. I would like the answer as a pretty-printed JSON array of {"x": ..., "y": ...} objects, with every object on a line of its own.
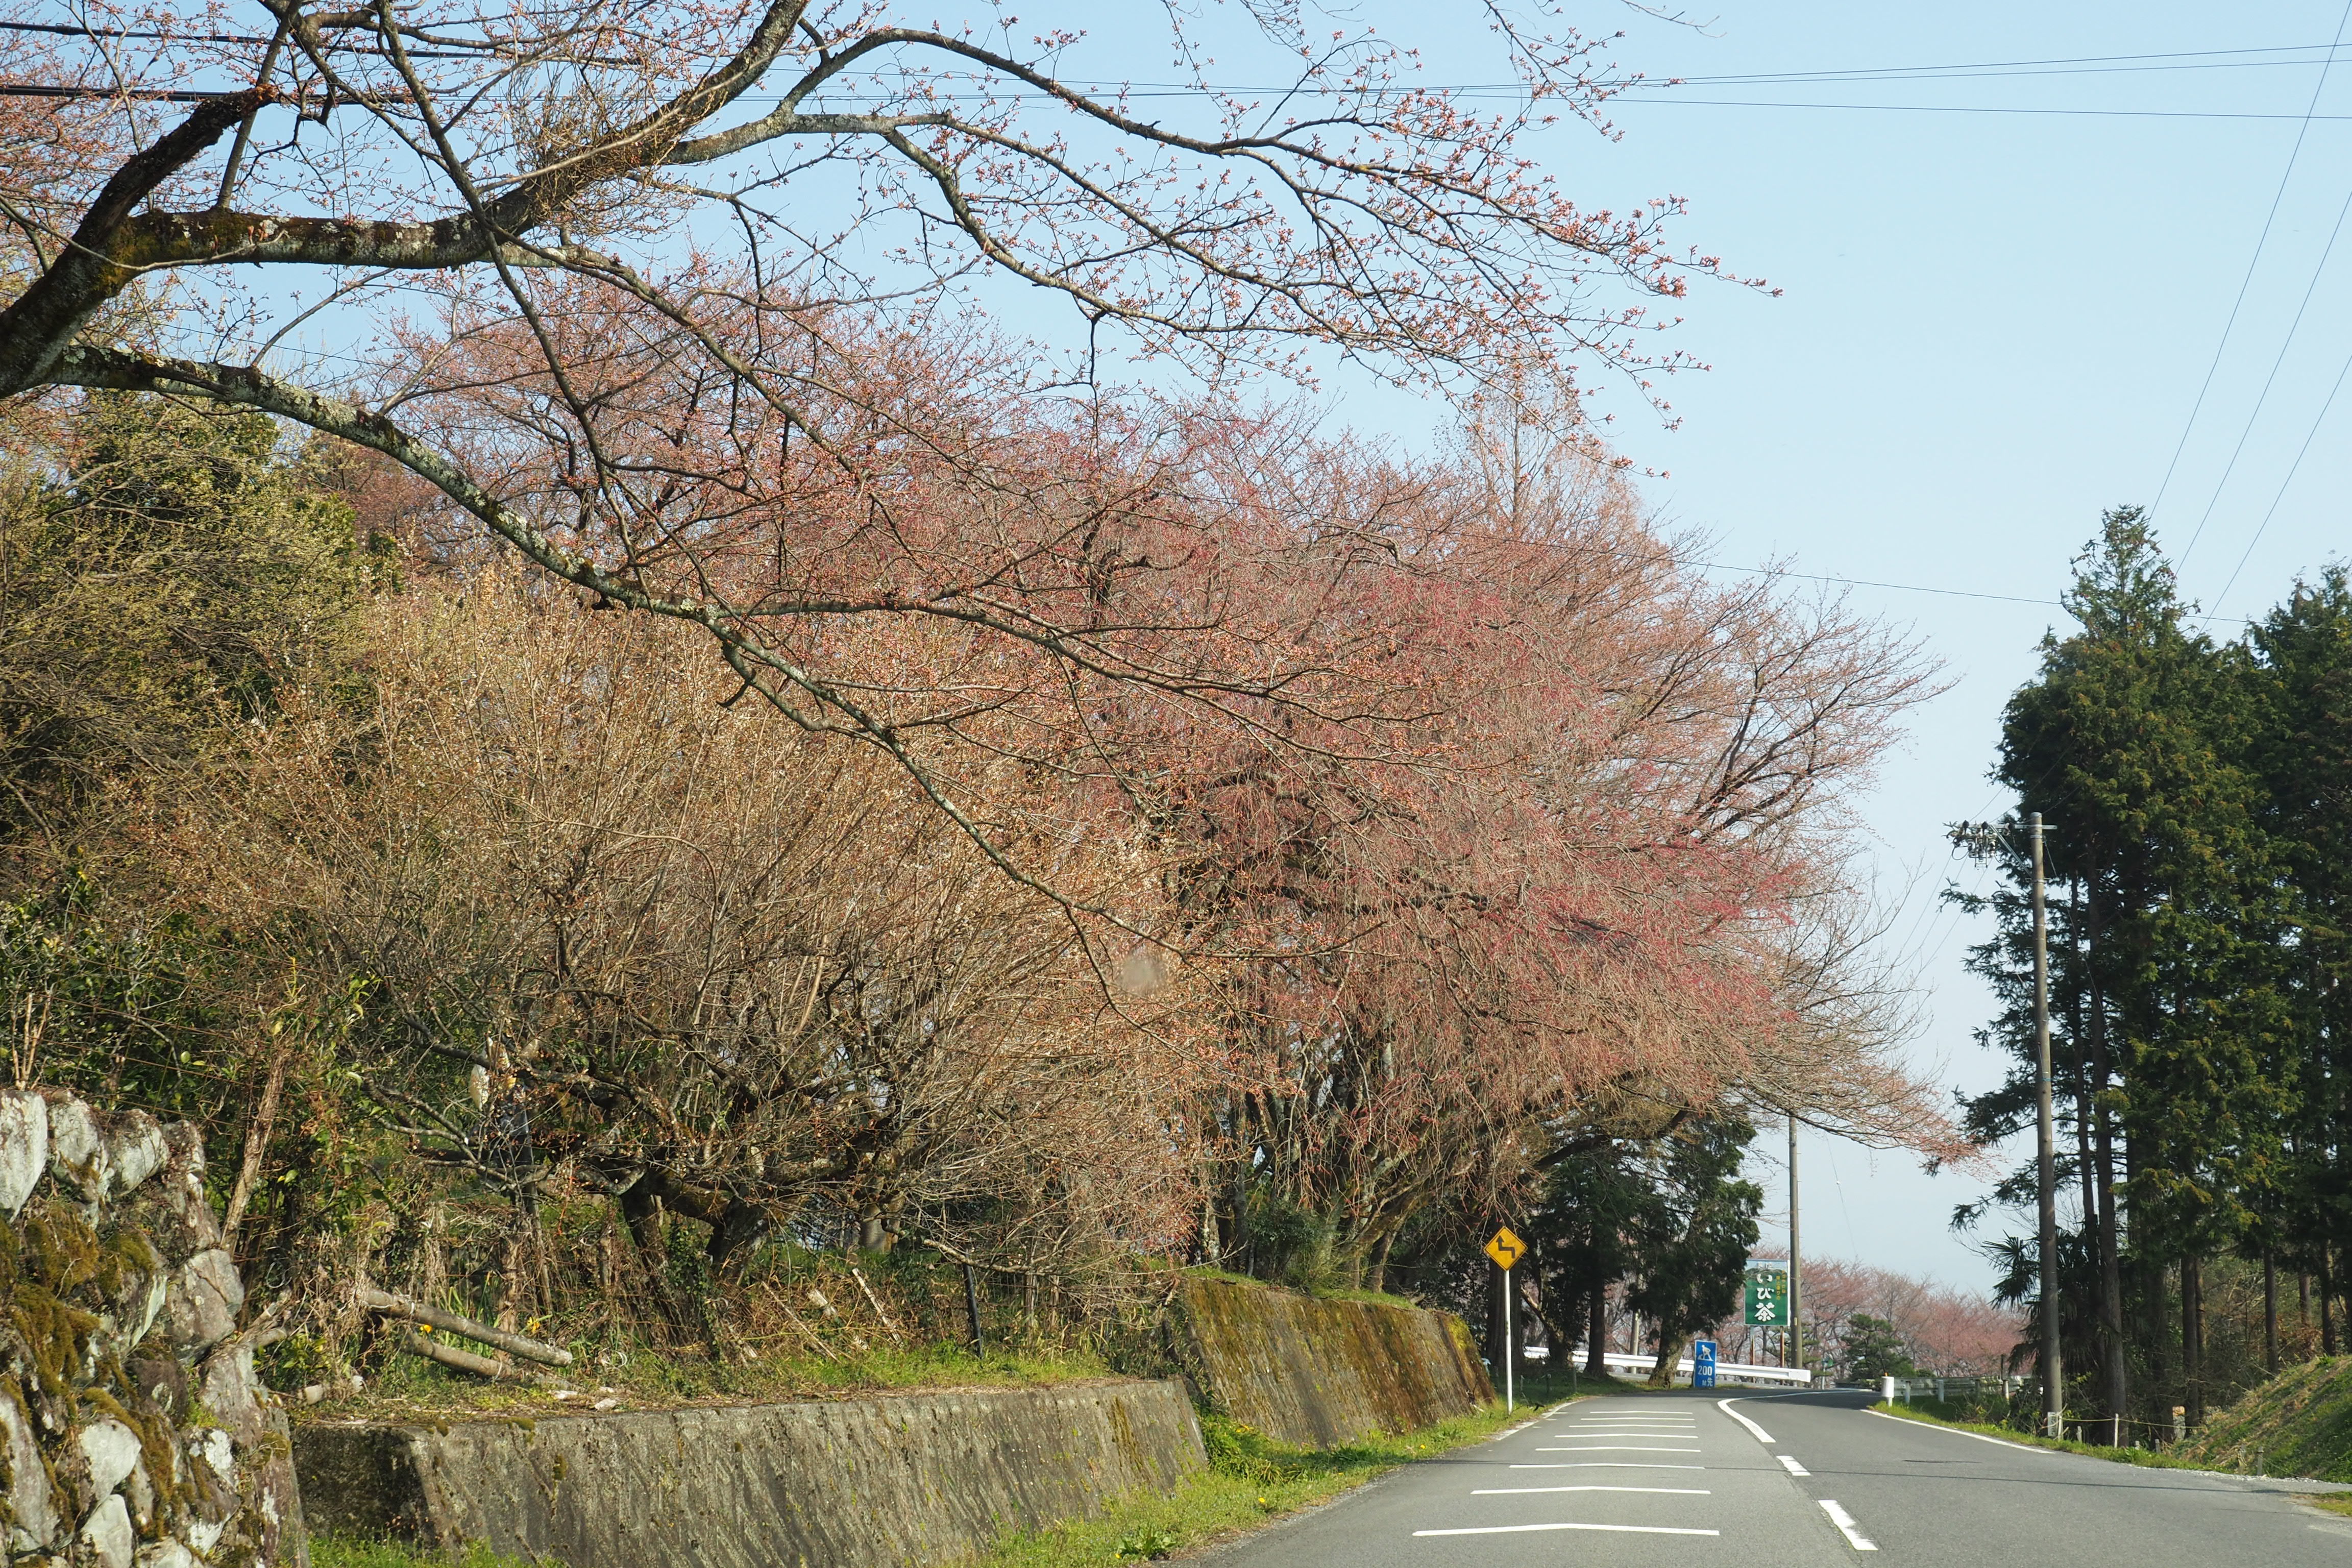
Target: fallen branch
[
  {"x": 396, "y": 1305},
  {"x": 876, "y": 1302},
  {"x": 467, "y": 1361}
]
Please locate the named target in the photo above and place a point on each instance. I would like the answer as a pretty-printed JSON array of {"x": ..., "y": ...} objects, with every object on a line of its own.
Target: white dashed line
[
  {"x": 1791, "y": 1466},
  {"x": 1754, "y": 1431},
  {"x": 1525, "y": 1491},
  {"x": 1845, "y": 1521},
  {"x": 1615, "y": 1529}
]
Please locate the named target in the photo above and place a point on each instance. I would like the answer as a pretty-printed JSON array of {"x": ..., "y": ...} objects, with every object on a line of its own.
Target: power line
[
  {"x": 2300, "y": 452},
  {"x": 2255, "y": 414},
  {"x": 1991, "y": 108},
  {"x": 2247, "y": 281}
]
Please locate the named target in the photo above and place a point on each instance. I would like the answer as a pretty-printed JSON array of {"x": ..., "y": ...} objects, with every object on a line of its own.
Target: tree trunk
[
  {"x": 2270, "y": 1314},
  {"x": 2192, "y": 1337},
  {"x": 1670, "y": 1350},
  {"x": 2113, "y": 1378},
  {"x": 1378, "y": 1279},
  {"x": 2326, "y": 1302},
  {"x": 1596, "y": 1330}
]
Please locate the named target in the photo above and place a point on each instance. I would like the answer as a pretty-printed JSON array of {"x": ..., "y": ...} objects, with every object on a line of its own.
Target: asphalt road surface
[{"x": 1763, "y": 1480}]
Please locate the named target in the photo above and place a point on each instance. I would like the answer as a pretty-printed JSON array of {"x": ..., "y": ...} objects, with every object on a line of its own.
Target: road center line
[
  {"x": 1524, "y": 1492},
  {"x": 1791, "y": 1466},
  {"x": 1845, "y": 1521},
  {"x": 1754, "y": 1431},
  {"x": 1617, "y": 1448},
  {"x": 1617, "y": 1529}
]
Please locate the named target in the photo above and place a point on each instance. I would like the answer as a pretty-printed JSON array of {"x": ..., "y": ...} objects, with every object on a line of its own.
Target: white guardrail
[{"x": 1725, "y": 1371}]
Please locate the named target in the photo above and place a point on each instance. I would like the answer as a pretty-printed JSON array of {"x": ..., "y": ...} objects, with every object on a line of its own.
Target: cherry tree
[{"x": 621, "y": 266}]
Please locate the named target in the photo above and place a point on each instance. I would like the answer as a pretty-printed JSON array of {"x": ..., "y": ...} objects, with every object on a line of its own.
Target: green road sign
[{"x": 1766, "y": 1295}]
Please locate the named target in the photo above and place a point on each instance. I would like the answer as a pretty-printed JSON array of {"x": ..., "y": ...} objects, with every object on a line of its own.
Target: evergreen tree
[
  {"x": 2302, "y": 755},
  {"x": 1691, "y": 1254},
  {"x": 2134, "y": 744},
  {"x": 1597, "y": 1204}
]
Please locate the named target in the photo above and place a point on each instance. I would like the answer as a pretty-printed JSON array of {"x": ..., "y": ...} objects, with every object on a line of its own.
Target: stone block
[
  {"x": 32, "y": 1506},
  {"x": 171, "y": 1206},
  {"x": 78, "y": 1154},
  {"x": 200, "y": 1309},
  {"x": 24, "y": 1147},
  {"x": 108, "y": 1535},
  {"x": 110, "y": 1449},
  {"x": 134, "y": 1150}
]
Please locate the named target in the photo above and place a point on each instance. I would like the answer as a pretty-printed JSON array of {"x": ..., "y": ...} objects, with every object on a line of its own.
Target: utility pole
[
  {"x": 2053, "y": 1377},
  {"x": 1796, "y": 1315}
]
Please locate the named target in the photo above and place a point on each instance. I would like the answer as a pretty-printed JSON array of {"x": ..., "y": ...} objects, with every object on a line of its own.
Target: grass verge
[
  {"x": 1250, "y": 1481},
  {"x": 2035, "y": 1440},
  {"x": 346, "y": 1551},
  {"x": 412, "y": 1389}
]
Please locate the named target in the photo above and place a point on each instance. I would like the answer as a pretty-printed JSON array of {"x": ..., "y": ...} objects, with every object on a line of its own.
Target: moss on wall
[
  {"x": 1317, "y": 1372},
  {"x": 853, "y": 1483}
]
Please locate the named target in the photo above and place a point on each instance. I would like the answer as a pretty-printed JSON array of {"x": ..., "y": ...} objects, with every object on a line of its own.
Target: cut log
[
  {"x": 396, "y": 1305},
  {"x": 467, "y": 1361}
]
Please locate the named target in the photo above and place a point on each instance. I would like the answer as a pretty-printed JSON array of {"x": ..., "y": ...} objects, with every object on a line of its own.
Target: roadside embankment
[
  {"x": 1315, "y": 1373},
  {"x": 903, "y": 1478},
  {"x": 2297, "y": 1424}
]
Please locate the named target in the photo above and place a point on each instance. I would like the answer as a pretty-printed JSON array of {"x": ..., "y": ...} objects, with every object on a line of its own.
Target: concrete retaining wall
[
  {"x": 1315, "y": 1373},
  {"x": 908, "y": 1478}
]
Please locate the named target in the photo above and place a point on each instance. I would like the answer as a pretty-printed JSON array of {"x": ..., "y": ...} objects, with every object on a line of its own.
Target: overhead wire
[
  {"x": 2254, "y": 416},
  {"x": 2301, "y": 452},
  {"x": 2206, "y": 386}
]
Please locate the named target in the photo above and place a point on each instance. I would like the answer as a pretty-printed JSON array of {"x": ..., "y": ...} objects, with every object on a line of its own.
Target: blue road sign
[{"x": 1702, "y": 1363}]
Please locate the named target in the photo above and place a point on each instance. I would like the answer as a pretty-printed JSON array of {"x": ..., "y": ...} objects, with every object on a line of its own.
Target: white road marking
[
  {"x": 1845, "y": 1521},
  {"x": 1791, "y": 1466},
  {"x": 1759, "y": 1433},
  {"x": 1524, "y": 1492},
  {"x": 1929, "y": 1426},
  {"x": 1617, "y": 1448},
  {"x": 1607, "y": 1465},
  {"x": 1615, "y": 1529}
]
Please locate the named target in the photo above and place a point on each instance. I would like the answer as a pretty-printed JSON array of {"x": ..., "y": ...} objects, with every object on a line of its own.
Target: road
[{"x": 1795, "y": 1479}]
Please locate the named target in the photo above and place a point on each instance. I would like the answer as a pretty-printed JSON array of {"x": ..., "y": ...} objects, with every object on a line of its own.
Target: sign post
[
  {"x": 1506, "y": 1249},
  {"x": 1702, "y": 1363}
]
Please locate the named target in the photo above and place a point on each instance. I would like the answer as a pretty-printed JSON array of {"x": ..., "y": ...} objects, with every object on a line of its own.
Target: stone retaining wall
[
  {"x": 905, "y": 1479},
  {"x": 1315, "y": 1373},
  {"x": 131, "y": 1423}
]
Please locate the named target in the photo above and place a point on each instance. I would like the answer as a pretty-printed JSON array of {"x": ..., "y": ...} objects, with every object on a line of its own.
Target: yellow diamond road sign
[{"x": 1505, "y": 1249}]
